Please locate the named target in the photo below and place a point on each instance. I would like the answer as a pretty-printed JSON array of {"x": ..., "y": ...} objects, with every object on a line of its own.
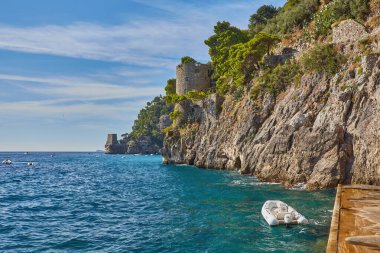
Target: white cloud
[
  {"x": 74, "y": 99},
  {"x": 75, "y": 88},
  {"x": 74, "y": 111},
  {"x": 149, "y": 41}
]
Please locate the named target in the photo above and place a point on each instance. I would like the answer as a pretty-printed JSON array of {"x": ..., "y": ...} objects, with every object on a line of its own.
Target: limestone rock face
[
  {"x": 348, "y": 30},
  {"x": 142, "y": 146},
  {"x": 324, "y": 132},
  {"x": 115, "y": 148},
  {"x": 164, "y": 122}
]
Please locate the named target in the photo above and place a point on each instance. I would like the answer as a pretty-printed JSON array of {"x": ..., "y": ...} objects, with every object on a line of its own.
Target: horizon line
[{"x": 52, "y": 151}]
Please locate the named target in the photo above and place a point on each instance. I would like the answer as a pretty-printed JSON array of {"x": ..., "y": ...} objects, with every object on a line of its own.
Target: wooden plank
[
  {"x": 332, "y": 244},
  {"x": 355, "y": 225}
]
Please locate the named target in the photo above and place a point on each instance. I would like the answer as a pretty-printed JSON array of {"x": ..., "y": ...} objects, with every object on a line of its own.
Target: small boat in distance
[
  {"x": 276, "y": 212},
  {"x": 7, "y": 162}
]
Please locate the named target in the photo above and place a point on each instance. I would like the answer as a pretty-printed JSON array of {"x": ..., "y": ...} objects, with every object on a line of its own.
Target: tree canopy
[
  {"x": 282, "y": 21},
  {"x": 170, "y": 86},
  {"x": 260, "y": 18},
  {"x": 219, "y": 44},
  {"x": 147, "y": 121},
  {"x": 187, "y": 59},
  {"x": 339, "y": 10},
  {"x": 244, "y": 60}
]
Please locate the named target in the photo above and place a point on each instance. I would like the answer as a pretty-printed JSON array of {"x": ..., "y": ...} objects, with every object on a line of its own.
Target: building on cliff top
[{"x": 193, "y": 76}]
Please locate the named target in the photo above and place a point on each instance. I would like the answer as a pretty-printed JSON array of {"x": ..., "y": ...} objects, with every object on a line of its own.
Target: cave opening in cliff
[{"x": 237, "y": 163}]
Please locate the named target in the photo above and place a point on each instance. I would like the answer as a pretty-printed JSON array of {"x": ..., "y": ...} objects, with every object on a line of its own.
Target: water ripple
[{"x": 77, "y": 202}]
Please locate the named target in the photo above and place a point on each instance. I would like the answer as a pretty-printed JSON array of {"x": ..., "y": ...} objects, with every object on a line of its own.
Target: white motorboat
[
  {"x": 7, "y": 161},
  {"x": 276, "y": 212}
]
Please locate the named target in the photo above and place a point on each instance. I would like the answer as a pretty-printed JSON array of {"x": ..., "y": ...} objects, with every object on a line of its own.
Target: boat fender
[
  {"x": 287, "y": 218},
  {"x": 302, "y": 220},
  {"x": 272, "y": 221}
]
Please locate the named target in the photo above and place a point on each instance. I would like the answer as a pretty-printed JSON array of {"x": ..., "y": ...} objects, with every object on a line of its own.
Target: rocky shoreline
[
  {"x": 322, "y": 133},
  {"x": 143, "y": 145}
]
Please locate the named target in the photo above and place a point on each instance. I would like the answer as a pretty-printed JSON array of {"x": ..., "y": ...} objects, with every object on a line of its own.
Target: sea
[{"x": 91, "y": 202}]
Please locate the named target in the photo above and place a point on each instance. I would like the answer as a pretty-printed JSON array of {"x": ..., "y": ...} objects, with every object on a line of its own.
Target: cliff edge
[
  {"x": 146, "y": 136},
  {"x": 322, "y": 131}
]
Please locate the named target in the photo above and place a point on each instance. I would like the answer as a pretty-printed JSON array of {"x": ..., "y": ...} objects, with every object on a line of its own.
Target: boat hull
[{"x": 276, "y": 213}]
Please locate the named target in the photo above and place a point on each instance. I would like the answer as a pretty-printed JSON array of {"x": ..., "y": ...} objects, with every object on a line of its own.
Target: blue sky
[{"x": 72, "y": 71}]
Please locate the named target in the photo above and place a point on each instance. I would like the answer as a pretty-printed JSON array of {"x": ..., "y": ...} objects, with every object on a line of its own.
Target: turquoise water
[{"x": 77, "y": 202}]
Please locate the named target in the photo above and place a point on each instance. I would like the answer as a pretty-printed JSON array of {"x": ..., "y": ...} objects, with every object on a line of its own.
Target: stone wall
[
  {"x": 112, "y": 139},
  {"x": 286, "y": 53},
  {"x": 348, "y": 31},
  {"x": 192, "y": 76},
  {"x": 113, "y": 146},
  {"x": 143, "y": 145}
]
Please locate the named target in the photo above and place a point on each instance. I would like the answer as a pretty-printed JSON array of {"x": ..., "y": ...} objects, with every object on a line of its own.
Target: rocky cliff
[
  {"x": 143, "y": 145},
  {"x": 321, "y": 132},
  {"x": 146, "y": 136}
]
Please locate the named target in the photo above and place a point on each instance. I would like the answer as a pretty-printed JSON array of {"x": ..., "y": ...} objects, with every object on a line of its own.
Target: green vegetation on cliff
[
  {"x": 220, "y": 43},
  {"x": 234, "y": 56},
  {"x": 190, "y": 95},
  {"x": 295, "y": 14},
  {"x": 237, "y": 55},
  {"x": 339, "y": 10},
  {"x": 170, "y": 87},
  {"x": 146, "y": 124},
  {"x": 322, "y": 59},
  {"x": 275, "y": 80},
  {"x": 279, "y": 48},
  {"x": 187, "y": 59},
  {"x": 258, "y": 21},
  {"x": 244, "y": 61}
]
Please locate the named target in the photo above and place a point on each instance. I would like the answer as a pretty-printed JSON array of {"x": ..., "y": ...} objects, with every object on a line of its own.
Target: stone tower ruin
[
  {"x": 192, "y": 76},
  {"x": 112, "y": 139}
]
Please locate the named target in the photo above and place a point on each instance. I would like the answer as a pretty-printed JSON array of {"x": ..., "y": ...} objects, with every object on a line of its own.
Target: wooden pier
[{"x": 355, "y": 225}]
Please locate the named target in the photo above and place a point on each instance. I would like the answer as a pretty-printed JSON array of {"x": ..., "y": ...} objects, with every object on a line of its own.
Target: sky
[{"x": 73, "y": 71}]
